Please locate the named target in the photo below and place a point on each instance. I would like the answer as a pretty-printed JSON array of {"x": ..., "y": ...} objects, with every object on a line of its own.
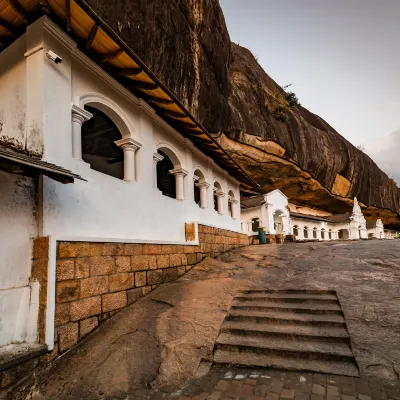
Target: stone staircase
[{"x": 288, "y": 329}]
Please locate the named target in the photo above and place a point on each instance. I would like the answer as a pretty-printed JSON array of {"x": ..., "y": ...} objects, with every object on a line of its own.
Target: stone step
[
  {"x": 312, "y": 349},
  {"x": 256, "y": 360},
  {"x": 291, "y": 307},
  {"x": 289, "y": 298},
  {"x": 288, "y": 291},
  {"x": 284, "y": 317},
  {"x": 300, "y": 332}
]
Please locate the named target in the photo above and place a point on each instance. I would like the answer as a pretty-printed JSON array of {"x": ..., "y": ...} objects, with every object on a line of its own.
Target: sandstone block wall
[
  {"x": 39, "y": 272},
  {"x": 96, "y": 280}
]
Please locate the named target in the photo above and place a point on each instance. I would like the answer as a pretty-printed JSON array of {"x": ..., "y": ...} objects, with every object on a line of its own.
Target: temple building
[
  {"x": 375, "y": 229},
  {"x": 109, "y": 185},
  {"x": 272, "y": 211}
]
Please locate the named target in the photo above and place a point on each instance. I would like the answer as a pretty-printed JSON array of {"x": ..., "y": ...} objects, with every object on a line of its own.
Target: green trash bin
[{"x": 261, "y": 235}]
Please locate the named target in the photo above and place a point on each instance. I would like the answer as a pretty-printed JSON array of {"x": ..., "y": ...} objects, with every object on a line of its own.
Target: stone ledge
[{"x": 15, "y": 354}]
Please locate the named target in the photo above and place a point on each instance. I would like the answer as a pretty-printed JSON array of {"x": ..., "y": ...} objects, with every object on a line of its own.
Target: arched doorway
[
  {"x": 255, "y": 224},
  {"x": 165, "y": 180},
  {"x": 343, "y": 234},
  {"x": 315, "y": 233},
  {"x": 295, "y": 231},
  {"x": 98, "y": 147},
  {"x": 305, "y": 232},
  {"x": 323, "y": 234},
  {"x": 330, "y": 234},
  {"x": 278, "y": 222}
]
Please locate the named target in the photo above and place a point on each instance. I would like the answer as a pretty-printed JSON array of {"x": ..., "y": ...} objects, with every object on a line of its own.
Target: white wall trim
[
  {"x": 33, "y": 51},
  {"x": 125, "y": 127},
  {"x": 164, "y": 144},
  {"x": 51, "y": 28}
]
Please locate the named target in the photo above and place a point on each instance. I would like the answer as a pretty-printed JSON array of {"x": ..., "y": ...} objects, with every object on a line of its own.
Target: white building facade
[
  {"x": 271, "y": 211},
  {"x": 142, "y": 179}
]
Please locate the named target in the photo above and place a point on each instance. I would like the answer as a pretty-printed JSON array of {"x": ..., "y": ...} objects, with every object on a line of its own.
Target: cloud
[{"x": 386, "y": 153}]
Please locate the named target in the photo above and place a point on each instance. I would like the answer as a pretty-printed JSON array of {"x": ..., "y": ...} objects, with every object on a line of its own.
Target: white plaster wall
[
  {"x": 18, "y": 301},
  {"x": 247, "y": 216},
  {"x": 13, "y": 94},
  {"x": 310, "y": 224},
  {"x": 105, "y": 206},
  {"x": 277, "y": 201}
]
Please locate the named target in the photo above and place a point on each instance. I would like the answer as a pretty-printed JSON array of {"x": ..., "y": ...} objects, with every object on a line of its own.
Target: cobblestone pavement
[{"x": 268, "y": 384}]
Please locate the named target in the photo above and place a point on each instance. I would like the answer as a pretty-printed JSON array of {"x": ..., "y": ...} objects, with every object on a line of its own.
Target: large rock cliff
[{"x": 186, "y": 43}]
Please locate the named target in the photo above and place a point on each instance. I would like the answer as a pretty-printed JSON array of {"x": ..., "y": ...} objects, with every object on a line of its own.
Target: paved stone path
[{"x": 268, "y": 384}]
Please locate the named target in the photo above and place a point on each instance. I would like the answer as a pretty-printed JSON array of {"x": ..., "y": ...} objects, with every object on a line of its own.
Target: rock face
[{"x": 186, "y": 43}]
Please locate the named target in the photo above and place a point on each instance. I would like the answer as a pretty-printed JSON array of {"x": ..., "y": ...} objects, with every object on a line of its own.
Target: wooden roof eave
[
  {"x": 108, "y": 30},
  {"x": 182, "y": 120}
]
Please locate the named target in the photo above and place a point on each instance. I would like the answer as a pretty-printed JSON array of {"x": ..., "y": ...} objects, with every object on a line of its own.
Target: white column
[
  {"x": 156, "y": 158},
  {"x": 234, "y": 208},
  {"x": 220, "y": 202},
  {"x": 203, "y": 193},
  {"x": 79, "y": 116},
  {"x": 129, "y": 146},
  {"x": 179, "y": 174}
]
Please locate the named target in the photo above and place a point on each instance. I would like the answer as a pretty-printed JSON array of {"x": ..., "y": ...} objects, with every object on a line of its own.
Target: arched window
[
  {"x": 218, "y": 195},
  {"x": 315, "y": 233},
  {"x": 231, "y": 204},
  {"x": 330, "y": 233},
  {"x": 98, "y": 147},
  {"x": 322, "y": 233},
  {"x": 305, "y": 232},
  {"x": 255, "y": 224},
  {"x": 165, "y": 180},
  {"x": 278, "y": 221},
  {"x": 296, "y": 231},
  {"x": 198, "y": 181}
]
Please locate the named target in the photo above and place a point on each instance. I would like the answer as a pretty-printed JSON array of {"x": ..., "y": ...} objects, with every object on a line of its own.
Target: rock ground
[{"x": 167, "y": 337}]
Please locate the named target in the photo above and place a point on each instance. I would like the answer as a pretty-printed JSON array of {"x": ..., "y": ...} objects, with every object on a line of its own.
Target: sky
[{"x": 342, "y": 58}]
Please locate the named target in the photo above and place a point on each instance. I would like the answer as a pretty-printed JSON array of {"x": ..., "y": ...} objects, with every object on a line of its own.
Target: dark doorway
[
  {"x": 165, "y": 180},
  {"x": 255, "y": 224},
  {"x": 98, "y": 147},
  {"x": 196, "y": 194}
]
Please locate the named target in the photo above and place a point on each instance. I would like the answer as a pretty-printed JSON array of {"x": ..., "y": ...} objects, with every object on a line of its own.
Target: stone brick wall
[
  {"x": 40, "y": 263},
  {"x": 96, "y": 280}
]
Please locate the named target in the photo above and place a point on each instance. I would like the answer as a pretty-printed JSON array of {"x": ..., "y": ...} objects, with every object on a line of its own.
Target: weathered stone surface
[
  {"x": 67, "y": 291},
  {"x": 94, "y": 286},
  {"x": 170, "y": 274},
  {"x": 186, "y": 43},
  {"x": 123, "y": 263},
  {"x": 134, "y": 294},
  {"x": 122, "y": 282},
  {"x": 82, "y": 268},
  {"x": 140, "y": 279},
  {"x": 87, "y": 325},
  {"x": 155, "y": 277},
  {"x": 103, "y": 265},
  {"x": 114, "y": 301},
  {"x": 65, "y": 270},
  {"x": 85, "y": 308},
  {"x": 68, "y": 336},
  {"x": 62, "y": 314}
]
